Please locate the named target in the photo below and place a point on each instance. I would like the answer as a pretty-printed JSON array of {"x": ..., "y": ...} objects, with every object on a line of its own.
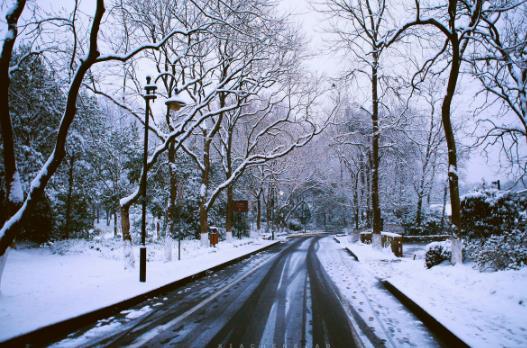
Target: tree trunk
[
  {"x": 12, "y": 179},
  {"x": 129, "y": 260},
  {"x": 356, "y": 201},
  {"x": 453, "y": 183},
  {"x": 203, "y": 213},
  {"x": 172, "y": 204},
  {"x": 125, "y": 223},
  {"x": 115, "y": 233},
  {"x": 377, "y": 224},
  {"x": 428, "y": 155},
  {"x": 419, "y": 209},
  {"x": 443, "y": 213},
  {"x": 368, "y": 196},
  {"x": 268, "y": 209},
  {"x": 3, "y": 260},
  {"x": 229, "y": 218},
  {"x": 450, "y": 138},
  {"x": 259, "y": 211},
  {"x": 67, "y": 223}
]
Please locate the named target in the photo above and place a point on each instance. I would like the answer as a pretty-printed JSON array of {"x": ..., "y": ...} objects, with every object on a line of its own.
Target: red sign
[{"x": 241, "y": 206}]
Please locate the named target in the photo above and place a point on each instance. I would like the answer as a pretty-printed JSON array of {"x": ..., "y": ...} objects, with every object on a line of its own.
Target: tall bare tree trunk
[
  {"x": 356, "y": 200},
  {"x": 457, "y": 256},
  {"x": 268, "y": 208},
  {"x": 129, "y": 259},
  {"x": 229, "y": 218},
  {"x": 259, "y": 211},
  {"x": 377, "y": 224},
  {"x": 426, "y": 161},
  {"x": 368, "y": 195},
  {"x": 115, "y": 229},
  {"x": 67, "y": 223},
  {"x": 203, "y": 212},
  {"x": 12, "y": 178},
  {"x": 443, "y": 212},
  {"x": 172, "y": 204}
]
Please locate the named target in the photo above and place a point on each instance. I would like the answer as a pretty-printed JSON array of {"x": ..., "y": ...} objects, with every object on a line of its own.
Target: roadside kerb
[{"x": 443, "y": 333}]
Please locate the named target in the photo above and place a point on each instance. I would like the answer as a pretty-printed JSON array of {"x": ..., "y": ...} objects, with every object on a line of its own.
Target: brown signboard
[{"x": 241, "y": 206}]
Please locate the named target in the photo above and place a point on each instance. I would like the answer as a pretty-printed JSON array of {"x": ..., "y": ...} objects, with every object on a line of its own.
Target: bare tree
[
  {"x": 498, "y": 59},
  {"x": 92, "y": 57},
  {"x": 361, "y": 27},
  {"x": 456, "y": 21}
]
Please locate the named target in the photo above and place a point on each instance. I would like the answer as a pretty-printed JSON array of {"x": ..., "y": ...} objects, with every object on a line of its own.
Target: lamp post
[
  {"x": 280, "y": 212},
  {"x": 175, "y": 103},
  {"x": 497, "y": 184},
  {"x": 150, "y": 94}
]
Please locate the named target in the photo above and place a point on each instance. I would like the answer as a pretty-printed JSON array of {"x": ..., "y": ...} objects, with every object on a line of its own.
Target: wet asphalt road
[{"x": 280, "y": 297}]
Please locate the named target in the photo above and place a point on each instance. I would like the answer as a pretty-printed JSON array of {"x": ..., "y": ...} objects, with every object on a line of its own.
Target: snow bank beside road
[
  {"x": 46, "y": 285},
  {"x": 483, "y": 309},
  {"x": 381, "y": 317}
]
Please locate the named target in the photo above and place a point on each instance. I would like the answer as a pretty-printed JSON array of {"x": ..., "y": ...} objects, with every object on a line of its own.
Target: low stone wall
[
  {"x": 425, "y": 239},
  {"x": 393, "y": 239}
]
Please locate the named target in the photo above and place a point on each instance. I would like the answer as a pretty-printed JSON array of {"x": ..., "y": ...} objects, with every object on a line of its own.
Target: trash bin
[{"x": 213, "y": 236}]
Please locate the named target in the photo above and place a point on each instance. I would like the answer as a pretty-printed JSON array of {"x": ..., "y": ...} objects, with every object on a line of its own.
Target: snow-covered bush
[
  {"x": 488, "y": 212},
  {"x": 437, "y": 252},
  {"x": 295, "y": 225},
  {"x": 430, "y": 225},
  {"x": 495, "y": 226},
  {"x": 499, "y": 252}
]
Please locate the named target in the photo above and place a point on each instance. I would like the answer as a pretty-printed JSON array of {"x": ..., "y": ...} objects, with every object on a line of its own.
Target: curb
[
  {"x": 443, "y": 333},
  {"x": 352, "y": 254},
  {"x": 49, "y": 333}
]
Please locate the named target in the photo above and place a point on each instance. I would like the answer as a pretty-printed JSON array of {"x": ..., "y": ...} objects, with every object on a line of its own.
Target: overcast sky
[{"x": 313, "y": 25}]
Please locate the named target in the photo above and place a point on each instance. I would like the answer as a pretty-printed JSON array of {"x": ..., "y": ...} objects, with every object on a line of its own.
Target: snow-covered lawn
[
  {"x": 46, "y": 285},
  {"x": 483, "y": 309}
]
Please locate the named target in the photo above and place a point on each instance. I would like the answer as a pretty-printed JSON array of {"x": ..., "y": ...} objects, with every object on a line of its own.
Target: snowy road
[{"x": 281, "y": 296}]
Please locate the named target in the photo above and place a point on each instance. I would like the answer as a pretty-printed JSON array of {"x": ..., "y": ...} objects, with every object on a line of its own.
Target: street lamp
[
  {"x": 150, "y": 94},
  {"x": 175, "y": 103},
  {"x": 497, "y": 184}
]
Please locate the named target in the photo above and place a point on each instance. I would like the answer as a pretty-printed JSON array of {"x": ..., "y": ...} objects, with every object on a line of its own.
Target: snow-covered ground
[
  {"x": 378, "y": 309},
  {"x": 49, "y": 284},
  {"x": 483, "y": 309}
]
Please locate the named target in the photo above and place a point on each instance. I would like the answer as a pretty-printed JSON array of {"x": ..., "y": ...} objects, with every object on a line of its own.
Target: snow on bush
[
  {"x": 495, "y": 226},
  {"x": 437, "y": 252},
  {"x": 488, "y": 212},
  {"x": 499, "y": 252}
]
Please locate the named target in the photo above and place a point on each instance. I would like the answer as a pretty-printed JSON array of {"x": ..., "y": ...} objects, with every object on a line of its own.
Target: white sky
[{"x": 313, "y": 25}]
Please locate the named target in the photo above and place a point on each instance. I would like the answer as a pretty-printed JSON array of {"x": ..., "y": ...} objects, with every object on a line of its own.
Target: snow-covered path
[
  {"x": 377, "y": 308},
  {"x": 483, "y": 309}
]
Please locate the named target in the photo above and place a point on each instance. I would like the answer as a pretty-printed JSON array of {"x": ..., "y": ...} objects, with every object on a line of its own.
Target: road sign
[{"x": 241, "y": 206}]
